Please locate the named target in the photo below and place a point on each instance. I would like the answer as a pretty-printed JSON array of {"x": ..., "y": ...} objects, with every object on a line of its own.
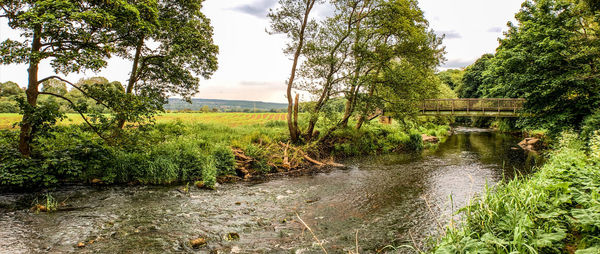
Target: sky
[{"x": 252, "y": 65}]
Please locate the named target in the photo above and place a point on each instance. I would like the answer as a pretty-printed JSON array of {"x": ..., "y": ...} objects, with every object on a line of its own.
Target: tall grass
[{"x": 557, "y": 210}]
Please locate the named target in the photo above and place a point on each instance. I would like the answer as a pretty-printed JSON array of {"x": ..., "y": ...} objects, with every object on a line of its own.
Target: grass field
[{"x": 230, "y": 119}]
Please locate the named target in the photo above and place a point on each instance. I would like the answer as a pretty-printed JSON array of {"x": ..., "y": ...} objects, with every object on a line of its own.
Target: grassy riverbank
[
  {"x": 178, "y": 152},
  {"x": 556, "y": 210}
]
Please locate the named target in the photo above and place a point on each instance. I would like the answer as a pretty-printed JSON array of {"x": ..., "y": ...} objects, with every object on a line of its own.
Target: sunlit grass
[{"x": 8, "y": 121}]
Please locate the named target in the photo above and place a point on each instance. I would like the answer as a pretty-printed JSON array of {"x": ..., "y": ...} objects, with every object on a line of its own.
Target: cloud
[
  {"x": 449, "y": 34},
  {"x": 457, "y": 63},
  {"x": 495, "y": 29},
  {"x": 257, "y": 9}
]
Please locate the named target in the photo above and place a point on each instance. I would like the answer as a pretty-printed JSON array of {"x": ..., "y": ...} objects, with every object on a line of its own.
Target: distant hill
[{"x": 224, "y": 105}]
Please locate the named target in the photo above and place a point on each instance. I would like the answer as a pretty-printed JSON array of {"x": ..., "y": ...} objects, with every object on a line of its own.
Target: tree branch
[
  {"x": 74, "y": 86},
  {"x": 74, "y": 106}
]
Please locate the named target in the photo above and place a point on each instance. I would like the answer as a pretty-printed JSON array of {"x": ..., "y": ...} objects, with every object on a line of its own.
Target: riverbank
[
  {"x": 395, "y": 199},
  {"x": 170, "y": 153},
  {"x": 556, "y": 210}
]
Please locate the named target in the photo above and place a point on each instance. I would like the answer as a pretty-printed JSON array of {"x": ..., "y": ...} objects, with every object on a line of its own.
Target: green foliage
[
  {"x": 381, "y": 139},
  {"x": 471, "y": 85},
  {"x": 224, "y": 160},
  {"x": 260, "y": 157},
  {"x": 452, "y": 77},
  {"x": 415, "y": 143},
  {"x": 9, "y": 92},
  {"x": 158, "y": 154},
  {"x": 555, "y": 208},
  {"x": 590, "y": 124},
  {"x": 549, "y": 57}
]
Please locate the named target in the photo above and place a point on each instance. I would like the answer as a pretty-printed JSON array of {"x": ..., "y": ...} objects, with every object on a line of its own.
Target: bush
[
  {"x": 224, "y": 160},
  {"x": 590, "y": 124},
  {"x": 415, "y": 142}
]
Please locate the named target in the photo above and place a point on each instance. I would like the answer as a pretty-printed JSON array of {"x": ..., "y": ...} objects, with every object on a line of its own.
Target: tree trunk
[
  {"x": 317, "y": 109},
  {"x": 133, "y": 76},
  {"x": 292, "y": 118},
  {"x": 296, "y": 109},
  {"x": 365, "y": 111},
  {"x": 26, "y": 135},
  {"x": 350, "y": 105}
]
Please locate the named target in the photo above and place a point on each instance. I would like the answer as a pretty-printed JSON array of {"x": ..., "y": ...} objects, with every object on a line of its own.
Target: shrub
[
  {"x": 590, "y": 124},
  {"x": 415, "y": 142},
  {"x": 224, "y": 160}
]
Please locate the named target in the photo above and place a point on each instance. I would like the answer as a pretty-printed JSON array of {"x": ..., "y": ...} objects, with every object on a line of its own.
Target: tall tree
[
  {"x": 452, "y": 77},
  {"x": 393, "y": 33},
  {"x": 10, "y": 88},
  {"x": 551, "y": 58},
  {"x": 72, "y": 35},
  {"x": 472, "y": 82},
  {"x": 169, "y": 54},
  {"x": 327, "y": 54},
  {"x": 292, "y": 18}
]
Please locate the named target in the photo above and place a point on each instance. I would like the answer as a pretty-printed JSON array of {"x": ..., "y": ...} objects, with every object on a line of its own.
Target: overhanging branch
[
  {"x": 80, "y": 113},
  {"x": 74, "y": 86}
]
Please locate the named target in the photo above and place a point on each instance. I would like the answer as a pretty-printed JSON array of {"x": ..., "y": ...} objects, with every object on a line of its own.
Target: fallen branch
[
  {"x": 308, "y": 158},
  {"x": 286, "y": 160},
  {"x": 304, "y": 155}
]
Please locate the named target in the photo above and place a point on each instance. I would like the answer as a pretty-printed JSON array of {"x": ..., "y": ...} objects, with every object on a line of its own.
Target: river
[{"x": 383, "y": 203}]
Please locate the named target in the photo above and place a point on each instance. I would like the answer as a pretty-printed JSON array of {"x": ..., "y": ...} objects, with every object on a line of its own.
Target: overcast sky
[{"x": 253, "y": 67}]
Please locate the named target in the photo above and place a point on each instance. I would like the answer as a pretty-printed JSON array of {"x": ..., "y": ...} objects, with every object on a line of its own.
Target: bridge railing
[{"x": 483, "y": 105}]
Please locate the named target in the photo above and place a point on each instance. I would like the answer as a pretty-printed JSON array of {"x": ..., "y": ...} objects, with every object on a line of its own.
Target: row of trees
[
  {"x": 11, "y": 93},
  {"x": 550, "y": 57},
  {"x": 169, "y": 44},
  {"x": 374, "y": 54}
]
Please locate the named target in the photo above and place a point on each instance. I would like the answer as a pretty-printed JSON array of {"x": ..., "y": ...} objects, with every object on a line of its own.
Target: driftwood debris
[
  {"x": 308, "y": 158},
  {"x": 243, "y": 163}
]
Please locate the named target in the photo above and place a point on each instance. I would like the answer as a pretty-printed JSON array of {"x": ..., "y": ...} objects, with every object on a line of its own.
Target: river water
[{"x": 383, "y": 203}]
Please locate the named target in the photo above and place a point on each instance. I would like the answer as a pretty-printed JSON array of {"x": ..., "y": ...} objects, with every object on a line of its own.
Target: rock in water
[
  {"x": 429, "y": 139},
  {"x": 198, "y": 242},
  {"x": 530, "y": 144}
]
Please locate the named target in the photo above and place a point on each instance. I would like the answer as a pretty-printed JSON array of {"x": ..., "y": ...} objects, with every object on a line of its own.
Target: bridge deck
[{"x": 487, "y": 107}]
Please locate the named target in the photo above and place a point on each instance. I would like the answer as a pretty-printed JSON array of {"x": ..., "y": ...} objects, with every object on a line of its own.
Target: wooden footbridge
[{"x": 486, "y": 107}]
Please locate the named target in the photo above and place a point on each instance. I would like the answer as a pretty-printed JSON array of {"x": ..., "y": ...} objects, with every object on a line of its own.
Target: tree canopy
[
  {"x": 171, "y": 43},
  {"x": 550, "y": 57}
]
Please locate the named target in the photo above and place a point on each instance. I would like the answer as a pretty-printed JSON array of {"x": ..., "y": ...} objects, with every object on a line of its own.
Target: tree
[
  {"x": 205, "y": 109},
  {"x": 452, "y": 77},
  {"x": 292, "y": 18},
  {"x": 551, "y": 58},
  {"x": 171, "y": 49},
  {"x": 327, "y": 53},
  {"x": 55, "y": 86},
  {"x": 394, "y": 33},
  {"x": 473, "y": 78},
  {"x": 9, "y": 92},
  {"x": 9, "y": 88},
  {"x": 73, "y": 35}
]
